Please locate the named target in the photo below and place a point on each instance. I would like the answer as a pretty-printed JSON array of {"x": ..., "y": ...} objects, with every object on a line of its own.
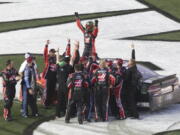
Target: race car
[{"x": 156, "y": 90}]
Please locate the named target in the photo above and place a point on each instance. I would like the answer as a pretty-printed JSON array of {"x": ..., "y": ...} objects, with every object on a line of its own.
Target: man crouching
[{"x": 76, "y": 84}]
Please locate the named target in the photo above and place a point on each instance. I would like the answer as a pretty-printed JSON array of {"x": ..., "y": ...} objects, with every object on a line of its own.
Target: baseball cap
[{"x": 27, "y": 55}]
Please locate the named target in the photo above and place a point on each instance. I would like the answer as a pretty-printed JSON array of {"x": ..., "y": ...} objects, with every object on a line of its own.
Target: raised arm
[
  {"x": 46, "y": 52},
  {"x": 57, "y": 56},
  {"x": 76, "y": 56},
  {"x": 68, "y": 48},
  {"x": 78, "y": 22},
  {"x": 133, "y": 55},
  {"x": 95, "y": 31}
]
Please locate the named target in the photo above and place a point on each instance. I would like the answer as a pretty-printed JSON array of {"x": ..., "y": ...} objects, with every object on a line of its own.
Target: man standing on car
[{"x": 90, "y": 32}]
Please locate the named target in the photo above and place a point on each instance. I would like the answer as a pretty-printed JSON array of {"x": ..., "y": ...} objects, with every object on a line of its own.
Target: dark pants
[
  {"x": 90, "y": 103},
  {"x": 112, "y": 103},
  {"x": 132, "y": 102},
  {"x": 124, "y": 95},
  {"x": 79, "y": 107},
  {"x": 101, "y": 103},
  {"x": 8, "y": 100},
  {"x": 61, "y": 102},
  {"x": 87, "y": 51},
  {"x": 28, "y": 100},
  {"x": 50, "y": 94}
]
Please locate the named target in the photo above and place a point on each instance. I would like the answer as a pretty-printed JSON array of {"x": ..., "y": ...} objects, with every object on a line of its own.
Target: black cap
[
  {"x": 66, "y": 58},
  {"x": 52, "y": 50}
]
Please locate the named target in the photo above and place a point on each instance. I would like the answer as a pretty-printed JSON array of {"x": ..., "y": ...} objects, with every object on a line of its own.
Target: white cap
[{"x": 27, "y": 55}]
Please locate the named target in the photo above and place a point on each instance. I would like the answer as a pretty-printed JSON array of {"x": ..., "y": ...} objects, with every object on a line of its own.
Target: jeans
[{"x": 28, "y": 100}]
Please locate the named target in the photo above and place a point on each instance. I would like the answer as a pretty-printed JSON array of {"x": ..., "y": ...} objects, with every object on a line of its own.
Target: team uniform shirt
[
  {"x": 9, "y": 81},
  {"x": 89, "y": 39},
  {"x": 50, "y": 65},
  {"x": 103, "y": 78}
]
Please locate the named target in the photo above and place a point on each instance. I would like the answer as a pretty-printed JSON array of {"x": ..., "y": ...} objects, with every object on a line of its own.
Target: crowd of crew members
[{"x": 90, "y": 87}]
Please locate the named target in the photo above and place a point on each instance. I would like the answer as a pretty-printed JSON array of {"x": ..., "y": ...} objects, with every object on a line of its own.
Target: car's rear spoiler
[
  {"x": 162, "y": 79},
  {"x": 150, "y": 65}
]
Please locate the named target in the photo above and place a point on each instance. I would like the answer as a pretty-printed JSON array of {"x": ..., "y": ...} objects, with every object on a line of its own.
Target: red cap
[{"x": 118, "y": 61}]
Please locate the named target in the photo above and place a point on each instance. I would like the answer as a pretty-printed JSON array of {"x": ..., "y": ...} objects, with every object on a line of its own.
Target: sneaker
[
  {"x": 88, "y": 120},
  {"x": 97, "y": 120},
  {"x": 67, "y": 121},
  {"x": 36, "y": 115},
  {"x": 103, "y": 120},
  {"x": 8, "y": 119},
  {"x": 80, "y": 122},
  {"x": 24, "y": 115},
  {"x": 122, "y": 118},
  {"x": 57, "y": 117}
]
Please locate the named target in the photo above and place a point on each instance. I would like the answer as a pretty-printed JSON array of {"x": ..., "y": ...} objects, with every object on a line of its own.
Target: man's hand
[
  {"x": 76, "y": 14},
  {"x": 47, "y": 43},
  {"x": 96, "y": 23},
  {"x": 31, "y": 92},
  {"x": 57, "y": 51},
  {"x": 18, "y": 78},
  {"x": 69, "y": 41}
]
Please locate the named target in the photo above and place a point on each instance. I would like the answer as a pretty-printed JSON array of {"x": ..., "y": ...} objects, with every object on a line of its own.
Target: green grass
[
  {"x": 18, "y": 59},
  {"x": 19, "y": 125},
  {"x": 177, "y": 132},
  {"x": 166, "y": 36},
  {"x": 171, "y": 9},
  {"x": 25, "y": 24}
]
